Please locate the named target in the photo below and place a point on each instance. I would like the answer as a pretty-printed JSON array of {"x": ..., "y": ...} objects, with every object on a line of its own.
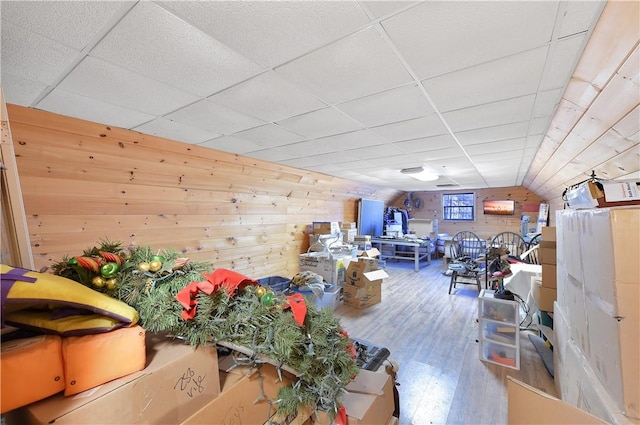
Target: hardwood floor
[{"x": 433, "y": 337}]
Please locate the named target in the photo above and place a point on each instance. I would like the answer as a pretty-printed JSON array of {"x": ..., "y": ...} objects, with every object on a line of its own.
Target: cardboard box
[
  {"x": 369, "y": 253},
  {"x": 240, "y": 401},
  {"x": 347, "y": 225},
  {"x": 548, "y": 234},
  {"x": 363, "y": 296},
  {"x": 615, "y": 350},
  {"x": 610, "y": 253},
  {"x": 349, "y": 235},
  {"x": 360, "y": 276},
  {"x": 579, "y": 387},
  {"x": 548, "y": 253},
  {"x": 325, "y": 227},
  {"x": 528, "y": 405},
  {"x": 331, "y": 268},
  {"x": 369, "y": 401},
  {"x": 177, "y": 381},
  {"x": 549, "y": 276},
  {"x": 542, "y": 296},
  {"x": 360, "y": 265}
]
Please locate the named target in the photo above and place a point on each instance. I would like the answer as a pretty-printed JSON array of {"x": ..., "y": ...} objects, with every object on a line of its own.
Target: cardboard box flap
[
  {"x": 528, "y": 405},
  {"x": 358, "y": 404},
  {"x": 376, "y": 275},
  {"x": 370, "y": 253},
  {"x": 368, "y": 382}
]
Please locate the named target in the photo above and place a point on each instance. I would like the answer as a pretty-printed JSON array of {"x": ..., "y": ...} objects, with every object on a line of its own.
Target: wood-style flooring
[{"x": 433, "y": 337}]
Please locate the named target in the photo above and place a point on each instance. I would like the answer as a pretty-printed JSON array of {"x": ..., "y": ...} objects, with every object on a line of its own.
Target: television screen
[{"x": 506, "y": 207}]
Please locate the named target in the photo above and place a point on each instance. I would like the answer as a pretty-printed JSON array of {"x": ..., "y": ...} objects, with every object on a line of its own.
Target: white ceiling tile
[
  {"x": 72, "y": 23},
  {"x": 546, "y": 102},
  {"x": 396, "y": 161},
  {"x": 320, "y": 123},
  {"x": 533, "y": 141},
  {"x": 213, "y": 118},
  {"x": 500, "y": 157},
  {"x": 175, "y": 131},
  {"x": 384, "y": 8},
  {"x": 32, "y": 56},
  {"x": 108, "y": 83},
  {"x": 426, "y": 144},
  {"x": 504, "y": 78},
  {"x": 426, "y": 126},
  {"x": 358, "y": 65},
  {"x": 442, "y": 36},
  {"x": 272, "y": 33},
  {"x": 267, "y": 97},
  {"x": 64, "y": 102},
  {"x": 272, "y": 155},
  {"x": 182, "y": 56},
  {"x": 343, "y": 142},
  {"x": 490, "y": 134},
  {"x": 439, "y": 154},
  {"x": 19, "y": 90},
  {"x": 562, "y": 62},
  {"x": 231, "y": 144},
  {"x": 399, "y": 104},
  {"x": 270, "y": 136},
  {"x": 539, "y": 125},
  {"x": 500, "y": 146},
  {"x": 579, "y": 15},
  {"x": 491, "y": 114},
  {"x": 371, "y": 152}
]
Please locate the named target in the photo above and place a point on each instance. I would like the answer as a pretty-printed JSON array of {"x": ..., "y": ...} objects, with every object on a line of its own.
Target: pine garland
[{"x": 320, "y": 352}]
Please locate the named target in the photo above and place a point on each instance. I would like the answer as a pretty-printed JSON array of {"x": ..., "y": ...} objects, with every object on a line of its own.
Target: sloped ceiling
[{"x": 470, "y": 90}]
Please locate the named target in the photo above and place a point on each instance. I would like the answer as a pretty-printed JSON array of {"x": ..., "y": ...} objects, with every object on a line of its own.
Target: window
[{"x": 458, "y": 206}]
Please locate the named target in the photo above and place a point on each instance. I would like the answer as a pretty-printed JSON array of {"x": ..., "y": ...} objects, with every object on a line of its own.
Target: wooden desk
[{"x": 417, "y": 257}]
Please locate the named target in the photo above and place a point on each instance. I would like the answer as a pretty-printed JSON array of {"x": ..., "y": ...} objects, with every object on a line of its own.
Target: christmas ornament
[{"x": 109, "y": 270}]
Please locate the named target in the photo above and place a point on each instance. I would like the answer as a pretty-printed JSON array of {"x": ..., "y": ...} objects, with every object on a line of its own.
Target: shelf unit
[{"x": 499, "y": 330}]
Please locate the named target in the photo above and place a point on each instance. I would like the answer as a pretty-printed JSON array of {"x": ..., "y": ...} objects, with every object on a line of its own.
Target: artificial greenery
[{"x": 318, "y": 351}]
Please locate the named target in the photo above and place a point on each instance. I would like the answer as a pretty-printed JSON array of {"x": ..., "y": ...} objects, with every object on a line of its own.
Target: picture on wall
[{"x": 503, "y": 207}]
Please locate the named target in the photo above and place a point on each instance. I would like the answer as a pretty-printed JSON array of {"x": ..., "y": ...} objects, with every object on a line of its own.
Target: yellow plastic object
[{"x": 60, "y": 305}]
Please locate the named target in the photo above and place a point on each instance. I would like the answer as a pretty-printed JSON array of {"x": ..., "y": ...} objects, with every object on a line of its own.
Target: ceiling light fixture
[{"x": 420, "y": 173}]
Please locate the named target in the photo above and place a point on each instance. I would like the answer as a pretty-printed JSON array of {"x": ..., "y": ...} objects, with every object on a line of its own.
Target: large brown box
[
  {"x": 549, "y": 276},
  {"x": 177, "y": 381},
  {"x": 362, "y": 296},
  {"x": 240, "y": 402}
]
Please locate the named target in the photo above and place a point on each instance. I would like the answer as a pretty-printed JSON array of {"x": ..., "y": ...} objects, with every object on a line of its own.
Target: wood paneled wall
[
  {"x": 83, "y": 182},
  {"x": 484, "y": 226}
]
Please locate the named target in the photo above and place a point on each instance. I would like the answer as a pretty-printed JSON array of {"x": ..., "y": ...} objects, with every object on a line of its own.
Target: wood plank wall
[
  {"x": 83, "y": 182},
  {"x": 484, "y": 226}
]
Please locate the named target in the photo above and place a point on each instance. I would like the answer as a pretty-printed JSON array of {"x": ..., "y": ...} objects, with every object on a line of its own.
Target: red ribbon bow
[{"x": 227, "y": 280}]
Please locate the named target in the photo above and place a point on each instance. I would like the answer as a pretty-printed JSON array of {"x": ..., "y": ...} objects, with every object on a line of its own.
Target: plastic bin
[
  {"x": 331, "y": 298},
  {"x": 278, "y": 284}
]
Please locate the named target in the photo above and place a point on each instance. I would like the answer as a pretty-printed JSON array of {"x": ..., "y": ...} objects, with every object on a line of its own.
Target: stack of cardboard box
[
  {"x": 544, "y": 290},
  {"x": 597, "y": 312},
  {"x": 363, "y": 287}
]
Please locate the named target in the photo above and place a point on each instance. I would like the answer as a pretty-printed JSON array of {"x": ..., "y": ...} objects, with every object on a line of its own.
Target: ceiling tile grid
[{"x": 450, "y": 86}]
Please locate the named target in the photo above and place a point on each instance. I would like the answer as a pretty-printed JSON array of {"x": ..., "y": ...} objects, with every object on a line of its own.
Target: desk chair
[
  {"x": 531, "y": 255},
  {"x": 535, "y": 240},
  {"x": 512, "y": 241},
  {"x": 465, "y": 247}
]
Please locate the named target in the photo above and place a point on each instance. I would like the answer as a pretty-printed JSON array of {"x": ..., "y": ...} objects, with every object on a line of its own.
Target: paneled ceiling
[{"x": 358, "y": 90}]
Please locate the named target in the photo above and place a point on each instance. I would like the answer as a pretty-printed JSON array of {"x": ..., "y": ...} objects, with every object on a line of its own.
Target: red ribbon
[
  {"x": 298, "y": 307},
  {"x": 341, "y": 417},
  {"x": 228, "y": 280}
]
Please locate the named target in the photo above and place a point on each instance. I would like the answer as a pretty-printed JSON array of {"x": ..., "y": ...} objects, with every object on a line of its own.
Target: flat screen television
[{"x": 503, "y": 207}]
